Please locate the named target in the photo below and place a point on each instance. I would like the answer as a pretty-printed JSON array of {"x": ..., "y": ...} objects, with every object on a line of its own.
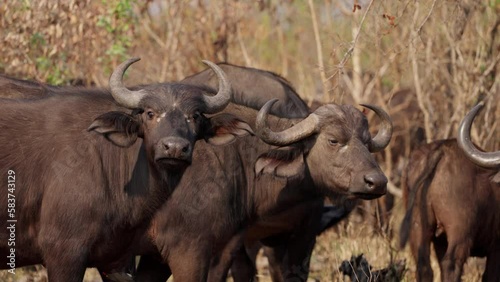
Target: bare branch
[
  {"x": 243, "y": 48},
  {"x": 319, "y": 49},
  {"x": 417, "y": 83},
  {"x": 427, "y": 17},
  {"x": 353, "y": 43}
]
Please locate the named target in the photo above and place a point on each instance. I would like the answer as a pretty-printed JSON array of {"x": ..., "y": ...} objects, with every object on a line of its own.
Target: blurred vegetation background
[
  {"x": 446, "y": 52},
  {"x": 426, "y": 62}
]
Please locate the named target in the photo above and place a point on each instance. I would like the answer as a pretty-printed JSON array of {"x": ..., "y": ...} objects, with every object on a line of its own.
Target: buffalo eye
[
  {"x": 194, "y": 117},
  {"x": 150, "y": 114},
  {"x": 333, "y": 142}
]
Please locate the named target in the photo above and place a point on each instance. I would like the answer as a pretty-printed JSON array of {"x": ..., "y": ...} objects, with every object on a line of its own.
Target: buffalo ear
[
  {"x": 119, "y": 128},
  {"x": 225, "y": 128},
  {"x": 283, "y": 162}
]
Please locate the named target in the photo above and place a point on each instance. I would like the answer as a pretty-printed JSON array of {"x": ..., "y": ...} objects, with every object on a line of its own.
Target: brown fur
[{"x": 455, "y": 205}]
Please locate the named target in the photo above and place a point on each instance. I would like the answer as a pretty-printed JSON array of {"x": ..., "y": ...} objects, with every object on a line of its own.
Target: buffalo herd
[{"x": 196, "y": 176}]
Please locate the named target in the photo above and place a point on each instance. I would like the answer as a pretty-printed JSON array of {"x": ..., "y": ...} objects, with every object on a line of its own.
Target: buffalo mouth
[
  {"x": 173, "y": 163},
  {"x": 367, "y": 196}
]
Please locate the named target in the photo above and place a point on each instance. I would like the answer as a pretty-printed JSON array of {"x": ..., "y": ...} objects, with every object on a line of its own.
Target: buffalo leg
[
  {"x": 492, "y": 271},
  {"x": 67, "y": 267},
  {"x": 420, "y": 245},
  {"x": 243, "y": 268},
  {"x": 295, "y": 266},
  {"x": 300, "y": 245},
  {"x": 275, "y": 255},
  {"x": 125, "y": 274},
  {"x": 221, "y": 263},
  {"x": 454, "y": 259},
  {"x": 190, "y": 261},
  {"x": 65, "y": 250},
  {"x": 151, "y": 269}
]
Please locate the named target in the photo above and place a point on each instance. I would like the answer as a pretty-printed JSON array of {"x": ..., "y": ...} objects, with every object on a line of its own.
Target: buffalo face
[
  {"x": 340, "y": 157},
  {"x": 168, "y": 117},
  {"x": 334, "y": 146}
]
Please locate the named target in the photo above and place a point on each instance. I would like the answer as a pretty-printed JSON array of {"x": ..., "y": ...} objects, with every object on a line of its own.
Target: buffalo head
[
  {"x": 484, "y": 159},
  {"x": 333, "y": 145},
  {"x": 169, "y": 117}
]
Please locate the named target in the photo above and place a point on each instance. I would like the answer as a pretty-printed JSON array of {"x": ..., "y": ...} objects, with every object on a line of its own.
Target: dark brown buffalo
[
  {"x": 252, "y": 88},
  {"x": 454, "y": 204},
  {"x": 85, "y": 186}
]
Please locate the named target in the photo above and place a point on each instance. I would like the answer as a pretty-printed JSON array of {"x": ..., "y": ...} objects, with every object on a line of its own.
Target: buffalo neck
[{"x": 266, "y": 193}]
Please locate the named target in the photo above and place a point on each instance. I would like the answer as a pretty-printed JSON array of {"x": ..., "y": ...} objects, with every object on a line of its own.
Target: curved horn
[
  {"x": 218, "y": 102},
  {"x": 123, "y": 96},
  {"x": 301, "y": 130},
  {"x": 484, "y": 159},
  {"x": 381, "y": 140}
]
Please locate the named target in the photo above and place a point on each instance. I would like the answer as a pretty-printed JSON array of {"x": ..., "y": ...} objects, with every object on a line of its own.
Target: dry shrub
[{"x": 56, "y": 41}]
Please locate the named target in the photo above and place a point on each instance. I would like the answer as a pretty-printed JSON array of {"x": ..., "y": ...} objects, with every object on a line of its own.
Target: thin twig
[
  {"x": 427, "y": 17},
  {"x": 243, "y": 48},
  {"x": 416, "y": 79},
  {"x": 319, "y": 49},
  {"x": 348, "y": 54}
]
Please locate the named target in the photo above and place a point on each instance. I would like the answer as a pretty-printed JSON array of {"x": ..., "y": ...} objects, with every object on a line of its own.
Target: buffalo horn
[
  {"x": 218, "y": 102},
  {"x": 381, "y": 140},
  {"x": 484, "y": 159},
  {"x": 123, "y": 96},
  {"x": 301, "y": 130}
]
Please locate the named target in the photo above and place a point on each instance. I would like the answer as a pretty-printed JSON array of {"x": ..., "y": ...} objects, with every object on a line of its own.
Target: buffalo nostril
[
  {"x": 174, "y": 148},
  {"x": 375, "y": 181},
  {"x": 370, "y": 182}
]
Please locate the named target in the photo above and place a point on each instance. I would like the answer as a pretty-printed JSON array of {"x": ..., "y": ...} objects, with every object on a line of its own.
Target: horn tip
[
  {"x": 207, "y": 62},
  {"x": 476, "y": 109},
  {"x": 132, "y": 60},
  {"x": 269, "y": 104}
]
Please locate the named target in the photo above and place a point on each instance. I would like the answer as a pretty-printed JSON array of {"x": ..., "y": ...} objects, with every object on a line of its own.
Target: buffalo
[
  {"x": 252, "y": 88},
  {"x": 454, "y": 204},
  {"x": 88, "y": 170}
]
